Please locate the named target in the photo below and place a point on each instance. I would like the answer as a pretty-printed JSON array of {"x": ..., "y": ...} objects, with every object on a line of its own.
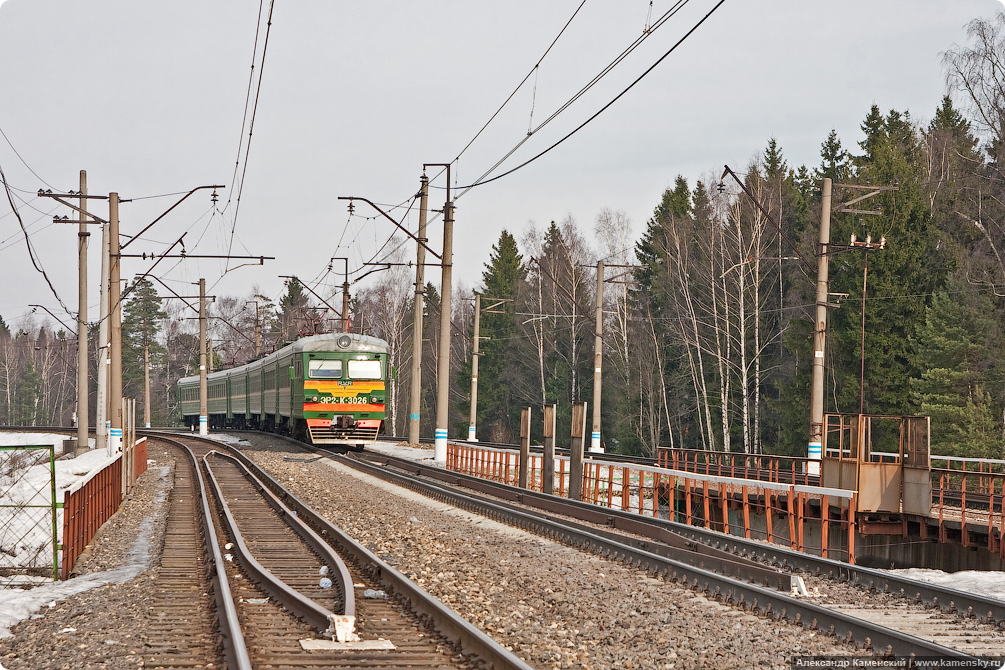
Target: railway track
[
  {"x": 281, "y": 595},
  {"x": 887, "y": 613}
]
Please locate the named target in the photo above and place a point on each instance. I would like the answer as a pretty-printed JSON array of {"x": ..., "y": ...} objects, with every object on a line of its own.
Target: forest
[{"x": 708, "y": 309}]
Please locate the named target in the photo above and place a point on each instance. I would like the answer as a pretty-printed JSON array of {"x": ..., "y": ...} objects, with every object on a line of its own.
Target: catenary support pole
[
  {"x": 345, "y": 306},
  {"x": 82, "y": 363},
  {"x": 548, "y": 459},
  {"x": 598, "y": 359},
  {"x": 473, "y": 423},
  {"x": 415, "y": 398},
  {"x": 576, "y": 450},
  {"x": 820, "y": 333},
  {"x": 101, "y": 424},
  {"x": 115, "y": 312},
  {"x": 203, "y": 405},
  {"x": 443, "y": 362},
  {"x": 146, "y": 385}
]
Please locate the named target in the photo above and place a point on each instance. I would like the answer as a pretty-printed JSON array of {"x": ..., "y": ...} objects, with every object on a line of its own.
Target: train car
[{"x": 325, "y": 389}]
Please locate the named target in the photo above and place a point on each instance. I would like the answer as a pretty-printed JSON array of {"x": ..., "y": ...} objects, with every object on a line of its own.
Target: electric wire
[
  {"x": 251, "y": 123},
  {"x": 483, "y": 180},
  {"x": 522, "y": 82},
  {"x": 24, "y": 162},
  {"x": 31, "y": 253}
]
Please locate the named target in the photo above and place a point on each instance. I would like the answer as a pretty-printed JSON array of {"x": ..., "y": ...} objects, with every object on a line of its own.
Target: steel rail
[
  {"x": 316, "y": 615},
  {"x": 759, "y": 599},
  {"x": 235, "y": 648},
  {"x": 947, "y": 599},
  {"x": 447, "y": 622}
]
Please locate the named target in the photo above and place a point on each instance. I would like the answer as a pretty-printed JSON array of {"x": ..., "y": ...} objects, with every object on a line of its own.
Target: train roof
[
  {"x": 337, "y": 342},
  {"x": 313, "y": 343}
]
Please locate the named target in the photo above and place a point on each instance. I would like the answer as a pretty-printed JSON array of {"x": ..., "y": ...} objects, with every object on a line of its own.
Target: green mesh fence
[{"x": 29, "y": 548}]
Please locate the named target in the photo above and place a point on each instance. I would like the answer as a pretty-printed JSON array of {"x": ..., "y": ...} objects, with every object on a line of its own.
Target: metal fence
[{"x": 29, "y": 548}]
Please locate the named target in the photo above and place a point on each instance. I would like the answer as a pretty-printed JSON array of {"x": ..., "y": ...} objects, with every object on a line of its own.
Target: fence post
[
  {"x": 548, "y": 458},
  {"x": 576, "y": 450},
  {"x": 524, "y": 446}
]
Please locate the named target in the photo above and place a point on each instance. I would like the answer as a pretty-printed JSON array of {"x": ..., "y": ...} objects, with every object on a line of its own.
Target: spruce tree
[{"x": 499, "y": 362}]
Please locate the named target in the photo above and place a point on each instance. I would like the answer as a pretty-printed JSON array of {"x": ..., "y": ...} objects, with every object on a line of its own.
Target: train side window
[
  {"x": 364, "y": 369},
  {"x": 324, "y": 369}
]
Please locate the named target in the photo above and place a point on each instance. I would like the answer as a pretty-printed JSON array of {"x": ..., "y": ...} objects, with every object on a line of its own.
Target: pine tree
[
  {"x": 29, "y": 399},
  {"x": 142, "y": 320}
]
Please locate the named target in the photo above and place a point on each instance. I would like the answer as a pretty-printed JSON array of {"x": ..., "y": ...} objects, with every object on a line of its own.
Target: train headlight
[
  {"x": 314, "y": 399},
  {"x": 375, "y": 400}
]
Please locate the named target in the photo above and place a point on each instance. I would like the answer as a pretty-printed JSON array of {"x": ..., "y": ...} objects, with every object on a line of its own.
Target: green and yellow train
[{"x": 326, "y": 389}]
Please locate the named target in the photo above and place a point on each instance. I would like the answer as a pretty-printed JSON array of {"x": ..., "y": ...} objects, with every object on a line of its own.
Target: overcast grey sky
[{"x": 355, "y": 97}]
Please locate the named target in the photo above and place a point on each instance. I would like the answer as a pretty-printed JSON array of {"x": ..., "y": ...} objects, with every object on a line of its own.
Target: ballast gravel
[{"x": 554, "y": 606}]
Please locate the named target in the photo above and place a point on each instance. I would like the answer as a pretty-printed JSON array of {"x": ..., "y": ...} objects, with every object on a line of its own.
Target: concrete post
[
  {"x": 472, "y": 424},
  {"x": 820, "y": 333},
  {"x": 101, "y": 423},
  {"x": 576, "y": 451},
  {"x": 146, "y": 385},
  {"x": 548, "y": 460},
  {"x": 115, "y": 311},
  {"x": 598, "y": 358},
  {"x": 415, "y": 398},
  {"x": 443, "y": 362},
  {"x": 203, "y": 390},
  {"x": 82, "y": 362}
]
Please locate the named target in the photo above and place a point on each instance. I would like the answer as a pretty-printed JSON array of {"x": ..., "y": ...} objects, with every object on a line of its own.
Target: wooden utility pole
[
  {"x": 415, "y": 398},
  {"x": 576, "y": 450}
]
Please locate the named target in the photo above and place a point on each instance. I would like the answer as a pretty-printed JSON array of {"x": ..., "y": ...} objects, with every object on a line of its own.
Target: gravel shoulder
[{"x": 103, "y": 627}]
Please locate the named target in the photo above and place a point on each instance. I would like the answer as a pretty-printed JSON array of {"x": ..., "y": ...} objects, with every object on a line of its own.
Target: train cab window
[
  {"x": 364, "y": 370},
  {"x": 324, "y": 369}
]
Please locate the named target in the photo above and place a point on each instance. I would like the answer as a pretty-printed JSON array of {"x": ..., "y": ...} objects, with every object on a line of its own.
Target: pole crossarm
[
  {"x": 55, "y": 317},
  {"x": 166, "y": 212},
  {"x": 874, "y": 191},
  {"x": 383, "y": 266},
  {"x": 350, "y": 198},
  {"x": 175, "y": 293},
  {"x": 58, "y": 197},
  {"x": 312, "y": 292},
  {"x": 768, "y": 216}
]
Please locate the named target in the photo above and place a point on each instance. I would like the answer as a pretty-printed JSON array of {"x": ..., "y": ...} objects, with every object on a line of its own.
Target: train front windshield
[
  {"x": 325, "y": 369},
  {"x": 364, "y": 370}
]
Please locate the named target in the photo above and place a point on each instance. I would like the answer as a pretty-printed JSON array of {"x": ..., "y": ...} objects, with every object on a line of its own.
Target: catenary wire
[
  {"x": 251, "y": 124},
  {"x": 482, "y": 181},
  {"x": 31, "y": 254},
  {"x": 24, "y": 162}
]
